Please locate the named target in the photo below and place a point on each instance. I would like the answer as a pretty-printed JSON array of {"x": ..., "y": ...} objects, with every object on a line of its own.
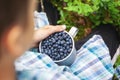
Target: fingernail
[{"x": 64, "y": 26}]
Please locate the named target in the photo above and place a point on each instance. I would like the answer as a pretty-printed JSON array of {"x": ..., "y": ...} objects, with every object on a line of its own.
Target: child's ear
[{"x": 11, "y": 40}]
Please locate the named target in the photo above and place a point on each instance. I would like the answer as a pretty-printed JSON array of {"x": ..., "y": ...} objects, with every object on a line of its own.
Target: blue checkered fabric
[
  {"x": 117, "y": 72},
  {"x": 92, "y": 63}
]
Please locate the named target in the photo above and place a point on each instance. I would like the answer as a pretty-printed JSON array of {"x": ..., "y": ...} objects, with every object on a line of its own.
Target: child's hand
[{"x": 44, "y": 32}]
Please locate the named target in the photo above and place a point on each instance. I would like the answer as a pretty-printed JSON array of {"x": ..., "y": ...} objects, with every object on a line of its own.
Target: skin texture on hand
[{"x": 44, "y": 32}]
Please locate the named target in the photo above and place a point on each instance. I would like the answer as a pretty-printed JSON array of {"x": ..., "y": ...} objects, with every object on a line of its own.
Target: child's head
[{"x": 16, "y": 26}]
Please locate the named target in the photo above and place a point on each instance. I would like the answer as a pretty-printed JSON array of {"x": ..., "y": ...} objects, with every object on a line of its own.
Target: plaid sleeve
[
  {"x": 37, "y": 66},
  {"x": 32, "y": 60},
  {"x": 37, "y": 74},
  {"x": 93, "y": 61}
]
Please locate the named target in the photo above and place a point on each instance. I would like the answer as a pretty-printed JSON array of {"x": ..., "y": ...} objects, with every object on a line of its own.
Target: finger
[{"x": 58, "y": 28}]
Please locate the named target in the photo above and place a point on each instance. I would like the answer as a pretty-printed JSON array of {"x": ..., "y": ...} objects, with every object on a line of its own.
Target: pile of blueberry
[{"x": 57, "y": 46}]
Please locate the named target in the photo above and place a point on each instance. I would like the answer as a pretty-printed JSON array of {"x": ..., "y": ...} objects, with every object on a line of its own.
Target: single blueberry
[
  {"x": 44, "y": 47},
  {"x": 58, "y": 42},
  {"x": 65, "y": 55},
  {"x": 47, "y": 41},
  {"x": 59, "y": 33},
  {"x": 61, "y": 54},
  {"x": 52, "y": 51},
  {"x": 55, "y": 34},
  {"x": 46, "y": 51},
  {"x": 67, "y": 47},
  {"x": 69, "y": 50},
  {"x": 51, "y": 48},
  {"x": 59, "y": 37},
  {"x": 65, "y": 44},
  {"x": 65, "y": 51},
  {"x": 54, "y": 45},
  {"x": 55, "y": 53},
  {"x": 62, "y": 42},
  {"x": 71, "y": 46},
  {"x": 55, "y": 49},
  {"x": 61, "y": 50},
  {"x": 62, "y": 57},
  {"x": 45, "y": 44}
]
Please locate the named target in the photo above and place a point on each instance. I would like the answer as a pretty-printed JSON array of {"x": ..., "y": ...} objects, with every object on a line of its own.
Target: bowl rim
[{"x": 68, "y": 54}]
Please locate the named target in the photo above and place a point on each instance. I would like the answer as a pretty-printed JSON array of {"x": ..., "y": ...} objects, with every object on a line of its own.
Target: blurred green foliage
[
  {"x": 117, "y": 62},
  {"x": 88, "y": 13}
]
